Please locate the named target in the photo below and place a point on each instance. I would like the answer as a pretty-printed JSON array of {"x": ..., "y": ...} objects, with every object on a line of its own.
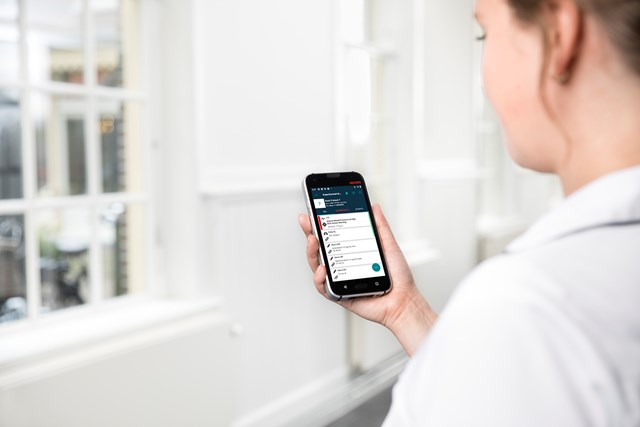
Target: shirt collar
[{"x": 610, "y": 200}]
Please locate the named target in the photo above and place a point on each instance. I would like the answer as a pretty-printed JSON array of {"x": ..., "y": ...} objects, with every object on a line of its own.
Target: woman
[{"x": 548, "y": 333}]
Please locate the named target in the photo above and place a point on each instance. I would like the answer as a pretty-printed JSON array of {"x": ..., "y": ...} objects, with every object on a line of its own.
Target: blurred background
[{"x": 152, "y": 272}]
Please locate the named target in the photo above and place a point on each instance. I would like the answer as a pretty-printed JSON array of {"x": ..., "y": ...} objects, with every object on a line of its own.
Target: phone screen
[{"x": 346, "y": 231}]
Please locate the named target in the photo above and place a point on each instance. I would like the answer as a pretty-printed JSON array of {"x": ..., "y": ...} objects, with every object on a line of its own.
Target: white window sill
[{"x": 89, "y": 333}]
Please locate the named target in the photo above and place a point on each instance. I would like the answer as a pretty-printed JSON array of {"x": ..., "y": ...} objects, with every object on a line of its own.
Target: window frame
[{"x": 94, "y": 199}]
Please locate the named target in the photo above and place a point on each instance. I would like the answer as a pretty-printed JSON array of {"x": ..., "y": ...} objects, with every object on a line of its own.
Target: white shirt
[{"x": 547, "y": 334}]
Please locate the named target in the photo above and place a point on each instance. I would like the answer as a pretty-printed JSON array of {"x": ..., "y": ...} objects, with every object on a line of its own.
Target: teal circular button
[{"x": 376, "y": 267}]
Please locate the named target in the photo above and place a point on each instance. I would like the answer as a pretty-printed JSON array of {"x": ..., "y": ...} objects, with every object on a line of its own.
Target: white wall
[
  {"x": 265, "y": 89},
  {"x": 449, "y": 69},
  {"x": 163, "y": 373},
  {"x": 289, "y": 344},
  {"x": 266, "y": 95},
  {"x": 449, "y": 168}
]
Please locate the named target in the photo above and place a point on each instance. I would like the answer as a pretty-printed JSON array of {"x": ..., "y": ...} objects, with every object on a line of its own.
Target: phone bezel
[{"x": 356, "y": 288}]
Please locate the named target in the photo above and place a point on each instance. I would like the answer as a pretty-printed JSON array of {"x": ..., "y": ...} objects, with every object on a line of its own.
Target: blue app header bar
[{"x": 339, "y": 200}]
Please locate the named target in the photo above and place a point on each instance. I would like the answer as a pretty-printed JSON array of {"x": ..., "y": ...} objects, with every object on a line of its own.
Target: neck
[
  {"x": 599, "y": 112},
  {"x": 576, "y": 175},
  {"x": 603, "y": 133}
]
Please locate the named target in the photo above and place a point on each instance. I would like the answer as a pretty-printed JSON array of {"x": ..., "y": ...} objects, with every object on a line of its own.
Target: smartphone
[{"x": 343, "y": 223}]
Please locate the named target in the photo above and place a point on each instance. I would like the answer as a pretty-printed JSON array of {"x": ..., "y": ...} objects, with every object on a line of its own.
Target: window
[{"x": 73, "y": 205}]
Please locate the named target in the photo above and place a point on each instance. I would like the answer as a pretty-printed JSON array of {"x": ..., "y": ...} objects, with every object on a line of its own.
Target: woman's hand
[{"x": 403, "y": 310}]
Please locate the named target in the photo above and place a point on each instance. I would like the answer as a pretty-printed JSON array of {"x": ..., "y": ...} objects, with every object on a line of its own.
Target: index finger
[
  {"x": 383, "y": 225},
  {"x": 305, "y": 223}
]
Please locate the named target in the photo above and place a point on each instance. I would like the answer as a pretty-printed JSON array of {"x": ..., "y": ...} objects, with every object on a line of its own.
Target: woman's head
[{"x": 545, "y": 61}]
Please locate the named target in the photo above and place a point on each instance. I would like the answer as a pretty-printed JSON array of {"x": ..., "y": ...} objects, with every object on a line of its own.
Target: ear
[{"x": 564, "y": 21}]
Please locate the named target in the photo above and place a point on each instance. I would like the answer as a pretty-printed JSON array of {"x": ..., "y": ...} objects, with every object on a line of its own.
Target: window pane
[
  {"x": 10, "y": 146},
  {"x": 55, "y": 40},
  {"x": 9, "y": 10},
  {"x": 116, "y": 42},
  {"x": 64, "y": 237},
  {"x": 119, "y": 128},
  {"x": 9, "y": 57},
  {"x": 13, "y": 287},
  {"x": 60, "y": 145},
  {"x": 122, "y": 234}
]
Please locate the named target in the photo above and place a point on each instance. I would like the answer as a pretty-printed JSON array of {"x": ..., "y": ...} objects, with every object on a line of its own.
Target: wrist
[{"x": 414, "y": 321}]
